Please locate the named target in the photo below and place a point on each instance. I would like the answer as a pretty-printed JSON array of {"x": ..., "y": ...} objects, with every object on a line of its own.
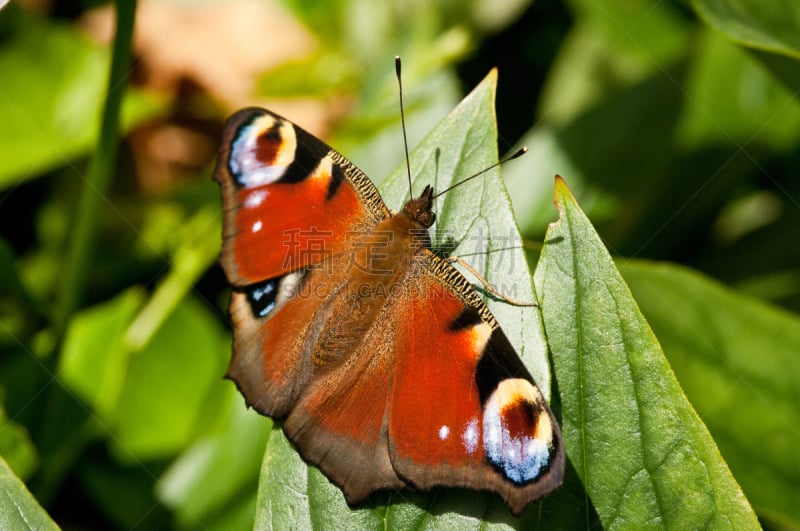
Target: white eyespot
[
  {"x": 470, "y": 436},
  {"x": 257, "y": 226},
  {"x": 255, "y": 199},
  {"x": 444, "y": 432},
  {"x": 243, "y": 162}
]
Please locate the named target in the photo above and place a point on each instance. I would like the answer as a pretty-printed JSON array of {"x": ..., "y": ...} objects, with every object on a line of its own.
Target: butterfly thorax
[{"x": 380, "y": 269}]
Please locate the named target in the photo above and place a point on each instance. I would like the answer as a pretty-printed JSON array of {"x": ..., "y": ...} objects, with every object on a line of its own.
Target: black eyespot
[{"x": 262, "y": 297}]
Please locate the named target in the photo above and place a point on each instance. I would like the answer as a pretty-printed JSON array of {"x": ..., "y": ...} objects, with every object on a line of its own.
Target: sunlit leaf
[
  {"x": 736, "y": 357},
  {"x": 94, "y": 360},
  {"x": 639, "y": 448},
  {"x": 769, "y": 26},
  {"x": 51, "y": 112},
  {"x": 229, "y": 458},
  {"x": 15, "y": 445},
  {"x": 164, "y": 401},
  {"x": 734, "y": 100}
]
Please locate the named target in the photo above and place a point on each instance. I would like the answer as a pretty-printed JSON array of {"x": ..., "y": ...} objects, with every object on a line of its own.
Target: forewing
[
  {"x": 291, "y": 206},
  {"x": 289, "y": 200}
]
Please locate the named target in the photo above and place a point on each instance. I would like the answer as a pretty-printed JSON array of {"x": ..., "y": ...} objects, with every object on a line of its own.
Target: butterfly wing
[
  {"x": 290, "y": 205},
  {"x": 289, "y": 199},
  {"x": 340, "y": 423},
  {"x": 464, "y": 409},
  {"x": 433, "y": 395},
  {"x": 413, "y": 386}
]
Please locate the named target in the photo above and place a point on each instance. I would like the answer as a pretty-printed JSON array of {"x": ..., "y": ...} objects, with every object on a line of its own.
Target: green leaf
[
  {"x": 620, "y": 41},
  {"x": 770, "y": 26},
  {"x": 165, "y": 400},
  {"x": 15, "y": 444},
  {"x": 474, "y": 221},
  {"x": 94, "y": 360},
  {"x": 289, "y": 490},
  {"x": 18, "y": 509},
  {"x": 50, "y": 112},
  {"x": 771, "y": 30},
  {"x": 294, "y": 495},
  {"x": 760, "y": 112},
  {"x": 642, "y": 453},
  {"x": 736, "y": 357},
  {"x": 228, "y": 458}
]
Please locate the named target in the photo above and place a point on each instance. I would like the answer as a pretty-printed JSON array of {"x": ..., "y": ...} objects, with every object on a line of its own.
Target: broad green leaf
[
  {"x": 771, "y": 26},
  {"x": 699, "y": 162},
  {"x": 228, "y": 458},
  {"x": 18, "y": 509},
  {"x": 51, "y": 111},
  {"x": 614, "y": 43},
  {"x": 733, "y": 100},
  {"x": 164, "y": 401},
  {"x": 100, "y": 339},
  {"x": 736, "y": 358},
  {"x": 149, "y": 402},
  {"x": 94, "y": 360},
  {"x": 639, "y": 448},
  {"x": 290, "y": 492},
  {"x": 474, "y": 221},
  {"x": 771, "y": 30},
  {"x": 15, "y": 444}
]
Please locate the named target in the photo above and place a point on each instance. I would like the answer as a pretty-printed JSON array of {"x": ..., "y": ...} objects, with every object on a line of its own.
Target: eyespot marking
[{"x": 517, "y": 433}]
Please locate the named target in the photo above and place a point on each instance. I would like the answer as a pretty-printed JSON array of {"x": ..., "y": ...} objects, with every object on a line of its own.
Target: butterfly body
[{"x": 385, "y": 363}]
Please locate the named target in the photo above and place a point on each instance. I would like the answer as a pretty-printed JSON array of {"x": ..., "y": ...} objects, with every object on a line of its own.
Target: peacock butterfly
[{"x": 388, "y": 368}]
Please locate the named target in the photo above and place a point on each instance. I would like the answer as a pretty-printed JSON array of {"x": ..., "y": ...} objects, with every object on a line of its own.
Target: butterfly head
[{"x": 420, "y": 209}]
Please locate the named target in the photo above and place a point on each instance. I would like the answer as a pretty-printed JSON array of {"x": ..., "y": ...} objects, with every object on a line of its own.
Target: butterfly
[{"x": 383, "y": 361}]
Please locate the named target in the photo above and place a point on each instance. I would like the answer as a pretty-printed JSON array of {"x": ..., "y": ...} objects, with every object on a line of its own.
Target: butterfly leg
[{"x": 488, "y": 286}]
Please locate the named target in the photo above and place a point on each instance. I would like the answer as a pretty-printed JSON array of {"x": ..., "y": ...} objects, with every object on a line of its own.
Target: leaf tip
[
  {"x": 491, "y": 77},
  {"x": 562, "y": 192}
]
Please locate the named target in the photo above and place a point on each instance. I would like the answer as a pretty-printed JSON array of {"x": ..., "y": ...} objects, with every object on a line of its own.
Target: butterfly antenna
[
  {"x": 521, "y": 151},
  {"x": 403, "y": 123}
]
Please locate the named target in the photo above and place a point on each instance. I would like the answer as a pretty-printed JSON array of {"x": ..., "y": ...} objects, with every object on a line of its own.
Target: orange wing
[
  {"x": 289, "y": 199},
  {"x": 434, "y": 395},
  {"x": 291, "y": 204},
  {"x": 464, "y": 409}
]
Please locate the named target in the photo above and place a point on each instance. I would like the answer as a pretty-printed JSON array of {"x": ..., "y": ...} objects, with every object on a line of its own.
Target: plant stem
[
  {"x": 98, "y": 177},
  {"x": 71, "y": 286}
]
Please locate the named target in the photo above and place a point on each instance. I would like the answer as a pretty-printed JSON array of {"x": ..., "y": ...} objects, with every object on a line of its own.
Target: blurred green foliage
[{"x": 675, "y": 123}]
